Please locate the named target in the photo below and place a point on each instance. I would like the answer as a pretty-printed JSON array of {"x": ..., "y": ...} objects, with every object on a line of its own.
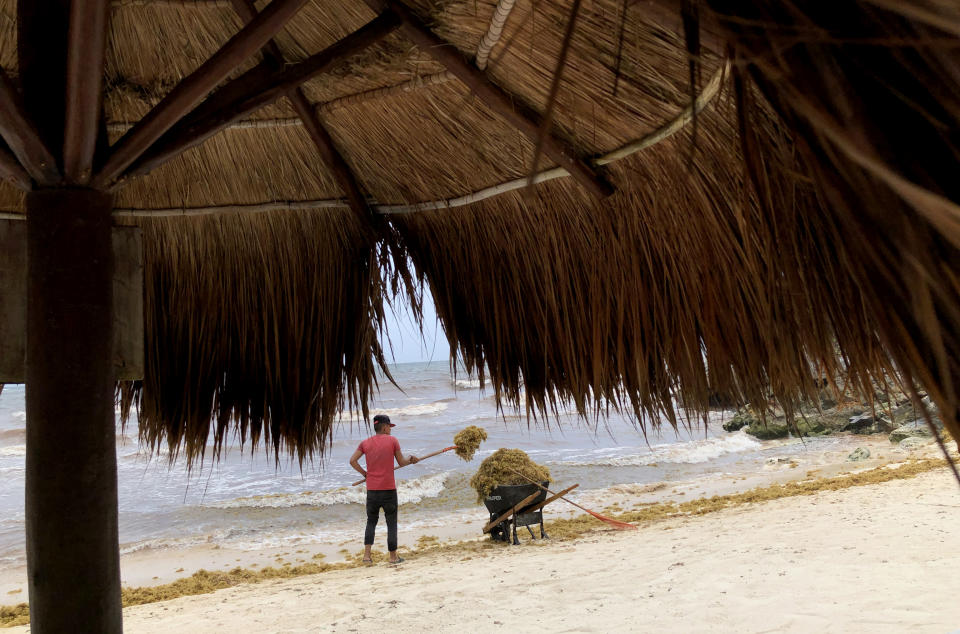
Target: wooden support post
[
  {"x": 22, "y": 136},
  {"x": 510, "y": 108},
  {"x": 73, "y": 557},
  {"x": 192, "y": 89},
  {"x": 256, "y": 91},
  {"x": 85, "y": 54},
  {"x": 318, "y": 133}
]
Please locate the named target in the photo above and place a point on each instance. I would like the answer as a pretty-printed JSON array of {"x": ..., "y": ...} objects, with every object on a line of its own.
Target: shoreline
[
  {"x": 149, "y": 566},
  {"x": 562, "y": 527}
]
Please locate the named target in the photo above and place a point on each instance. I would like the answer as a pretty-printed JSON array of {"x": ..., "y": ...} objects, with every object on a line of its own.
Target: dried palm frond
[
  {"x": 266, "y": 324},
  {"x": 870, "y": 93}
]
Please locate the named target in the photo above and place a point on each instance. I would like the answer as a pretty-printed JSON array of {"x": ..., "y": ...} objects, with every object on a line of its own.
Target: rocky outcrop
[
  {"x": 868, "y": 424},
  {"x": 768, "y": 430},
  {"x": 740, "y": 420},
  {"x": 893, "y": 414},
  {"x": 779, "y": 427},
  {"x": 916, "y": 429}
]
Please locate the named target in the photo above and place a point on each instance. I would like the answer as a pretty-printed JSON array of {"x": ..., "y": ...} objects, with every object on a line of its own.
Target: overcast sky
[{"x": 408, "y": 345}]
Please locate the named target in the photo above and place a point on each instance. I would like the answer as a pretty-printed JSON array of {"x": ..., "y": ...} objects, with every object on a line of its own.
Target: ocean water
[{"x": 246, "y": 501}]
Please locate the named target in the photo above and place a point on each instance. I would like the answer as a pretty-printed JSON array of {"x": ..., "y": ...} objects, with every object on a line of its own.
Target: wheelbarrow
[{"x": 513, "y": 505}]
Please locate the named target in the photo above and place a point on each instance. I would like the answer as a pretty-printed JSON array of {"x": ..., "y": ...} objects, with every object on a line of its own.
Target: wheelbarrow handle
[
  {"x": 603, "y": 518},
  {"x": 429, "y": 455}
]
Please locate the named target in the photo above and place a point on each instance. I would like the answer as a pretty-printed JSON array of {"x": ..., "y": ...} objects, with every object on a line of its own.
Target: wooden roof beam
[
  {"x": 13, "y": 172},
  {"x": 318, "y": 133},
  {"x": 334, "y": 160},
  {"x": 257, "y": 90},
  {"x": 518, "y": 115},
  {"x": 193, "y": 88},
  {"x": 86, "y": 47},
  {"x": 32, "y": 155}
]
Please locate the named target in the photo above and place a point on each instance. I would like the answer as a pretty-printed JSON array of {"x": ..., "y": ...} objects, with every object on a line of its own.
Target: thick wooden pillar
[{"x": 73, "y": 558}]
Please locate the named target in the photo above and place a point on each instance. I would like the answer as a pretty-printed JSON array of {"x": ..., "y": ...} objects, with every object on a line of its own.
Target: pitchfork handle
[{"x": 429, "y": 455}]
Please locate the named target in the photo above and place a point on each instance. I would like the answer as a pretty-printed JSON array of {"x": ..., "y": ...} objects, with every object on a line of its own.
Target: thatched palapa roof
[{"x": 742, "y": 198}]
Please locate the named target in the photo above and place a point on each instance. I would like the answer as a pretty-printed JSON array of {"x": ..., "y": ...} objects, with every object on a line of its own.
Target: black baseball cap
[{"x": 382, "y": 418}]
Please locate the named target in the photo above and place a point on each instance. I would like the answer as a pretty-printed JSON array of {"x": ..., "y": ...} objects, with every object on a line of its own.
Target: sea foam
[
  {"x": 693, "y": 452},
  {"x": 420, "y": 409},
  {"x": 186, "y": 541}
]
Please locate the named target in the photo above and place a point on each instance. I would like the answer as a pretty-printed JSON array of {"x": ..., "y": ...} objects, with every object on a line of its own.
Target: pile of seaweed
[
  {"x": 506, "y": 466},
  {"x": 468, "y": 440}
]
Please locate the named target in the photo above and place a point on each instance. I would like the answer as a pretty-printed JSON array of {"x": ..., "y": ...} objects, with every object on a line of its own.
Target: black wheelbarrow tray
[{"x": 513, "y": 505}]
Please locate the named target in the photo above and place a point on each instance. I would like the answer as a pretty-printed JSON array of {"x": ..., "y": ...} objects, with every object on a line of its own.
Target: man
[{"x": 380, "y": 450}]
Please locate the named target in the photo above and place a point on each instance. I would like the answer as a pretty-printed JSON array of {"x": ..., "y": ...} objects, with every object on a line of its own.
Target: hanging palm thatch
[
  {"x": 869, "y": 91},
  {"x": 270, "y": 321},
  {"x": 649, "y": 295},
  {"x": 798, "y": 223}
]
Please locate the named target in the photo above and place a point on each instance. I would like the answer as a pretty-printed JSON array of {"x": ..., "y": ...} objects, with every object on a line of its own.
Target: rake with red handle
[{"x": 603, "y": 518}]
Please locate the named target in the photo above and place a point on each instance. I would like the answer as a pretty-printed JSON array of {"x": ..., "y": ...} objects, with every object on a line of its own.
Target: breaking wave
[
  {"x": 408, "y": 492},
  {"x": 694, "y": 452},
  {"x": 13, "y": 450},
  {"x": 424, "y": 409},
  {"x": 468, "y": 384},
  {"x": 421, "y": 409}
]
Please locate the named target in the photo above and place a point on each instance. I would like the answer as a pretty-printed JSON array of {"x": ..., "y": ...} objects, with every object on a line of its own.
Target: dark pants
[{"x": 387, "y": 500}]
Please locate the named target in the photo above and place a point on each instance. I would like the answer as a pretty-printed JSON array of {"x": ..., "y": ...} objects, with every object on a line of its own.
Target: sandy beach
[{"x": 873, "y": 558}]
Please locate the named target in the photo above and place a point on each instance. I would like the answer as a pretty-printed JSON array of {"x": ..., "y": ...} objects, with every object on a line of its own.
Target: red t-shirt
[{"x": 380, "y": 450}]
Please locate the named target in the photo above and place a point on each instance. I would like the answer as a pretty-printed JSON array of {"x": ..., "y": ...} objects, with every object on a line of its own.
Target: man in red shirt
[{"x": 380, "y": 451}]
